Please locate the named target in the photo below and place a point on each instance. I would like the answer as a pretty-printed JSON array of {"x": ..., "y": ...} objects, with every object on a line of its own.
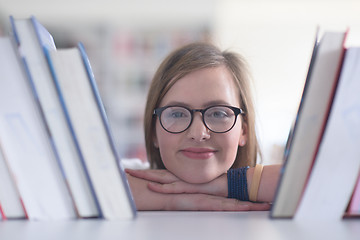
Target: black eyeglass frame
[{"x": 158, "y": 111}]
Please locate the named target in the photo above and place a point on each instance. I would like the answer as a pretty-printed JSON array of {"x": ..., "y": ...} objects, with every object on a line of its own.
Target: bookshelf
[
  {"x": 132, "y": 59},
  {"x": 184, "y": 225}
]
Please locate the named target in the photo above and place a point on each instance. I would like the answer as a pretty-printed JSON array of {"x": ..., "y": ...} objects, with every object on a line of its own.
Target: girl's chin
[{"x": 196, "y": 178}]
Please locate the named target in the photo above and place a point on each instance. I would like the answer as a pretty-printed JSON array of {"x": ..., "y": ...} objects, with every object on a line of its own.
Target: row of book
[
  {"x": 58, "y": 160},
  {"x": 57, "y": 156},
  {"x": 320, "y": 177}
]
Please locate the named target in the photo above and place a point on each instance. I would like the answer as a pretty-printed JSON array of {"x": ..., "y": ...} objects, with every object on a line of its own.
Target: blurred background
[{"x": 126, "y": 41}]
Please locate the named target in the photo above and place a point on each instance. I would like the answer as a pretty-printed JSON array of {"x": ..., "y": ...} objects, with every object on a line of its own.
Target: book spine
[
  {"x": 12, "y": 176},
  {"x": 15, "y": 34},
  {"x": 289, "y": 143},
  {"x": 354, "y": 206},
  {"x": 51, "y": 140},
  {"x": 43, "y": 36},
  {"x": 71, "y": 128},
  {"x": 101, "y": 109},
  {"x": 327, "y": 113},
  {"x": 2, "y": 214},
  {"x": 331, "y": 100}
]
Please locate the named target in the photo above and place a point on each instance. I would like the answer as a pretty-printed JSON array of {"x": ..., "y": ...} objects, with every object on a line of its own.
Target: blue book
[{"x": 82, "y": 104}]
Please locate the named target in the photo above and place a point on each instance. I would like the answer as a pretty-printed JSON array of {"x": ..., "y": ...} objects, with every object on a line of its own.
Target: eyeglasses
[{"x": 218, "y": 119}]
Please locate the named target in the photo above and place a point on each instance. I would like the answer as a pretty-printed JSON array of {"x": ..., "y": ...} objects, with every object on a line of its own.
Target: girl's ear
[{"x": 243, "y": 135}]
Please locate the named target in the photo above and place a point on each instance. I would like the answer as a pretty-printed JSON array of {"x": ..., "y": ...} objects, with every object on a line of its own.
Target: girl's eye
[
  {"x": 177, "y": 115},
  {"x": 217, "y": 113}
]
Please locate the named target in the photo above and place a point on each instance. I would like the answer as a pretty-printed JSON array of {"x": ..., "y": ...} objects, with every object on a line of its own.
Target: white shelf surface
[{"x": 183, "y": 225}]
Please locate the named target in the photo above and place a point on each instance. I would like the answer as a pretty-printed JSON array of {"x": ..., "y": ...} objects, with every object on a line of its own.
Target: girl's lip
[{"x": 198, "y": 153}]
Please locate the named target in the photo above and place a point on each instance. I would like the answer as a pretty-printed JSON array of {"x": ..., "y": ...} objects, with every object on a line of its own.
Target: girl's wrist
[
  {"x": 255, "y": 182},
  {"x": 249, "y": 176},
  {"x": 267, "y": 184},
  {"x": 237, "y": 184},
  {"x": 244, "y": 183}
]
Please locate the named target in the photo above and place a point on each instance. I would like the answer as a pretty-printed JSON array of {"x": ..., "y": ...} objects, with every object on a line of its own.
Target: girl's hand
[
  {"x": 205, "y": 202},
  {"x": 145, "y": 199},
  {"x": 154, "y": 175},
  {"x": 162, "y": 181}
]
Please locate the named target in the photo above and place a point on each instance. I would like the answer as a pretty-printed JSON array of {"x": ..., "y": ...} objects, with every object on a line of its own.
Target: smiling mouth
[{"x": 198, "y": 153}]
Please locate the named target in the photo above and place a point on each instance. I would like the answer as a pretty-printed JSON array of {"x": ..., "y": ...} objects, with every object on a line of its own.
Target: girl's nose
[{"x": 197, "y": 130}]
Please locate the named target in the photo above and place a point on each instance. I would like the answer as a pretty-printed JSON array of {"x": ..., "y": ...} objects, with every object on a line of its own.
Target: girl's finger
[
  {"x": 175, "y": 187},
  {"x": 154, "y": 175}
]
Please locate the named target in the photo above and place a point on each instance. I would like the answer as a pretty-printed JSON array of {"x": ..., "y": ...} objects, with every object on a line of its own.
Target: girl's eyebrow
[
  {"x": 176, "y": 103},
  {"x": 207, "y": 104},
  {"x": 217, "y": 102}
]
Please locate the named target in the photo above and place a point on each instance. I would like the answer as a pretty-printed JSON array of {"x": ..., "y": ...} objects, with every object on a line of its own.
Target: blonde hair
[{"x": 188, "y": 59}]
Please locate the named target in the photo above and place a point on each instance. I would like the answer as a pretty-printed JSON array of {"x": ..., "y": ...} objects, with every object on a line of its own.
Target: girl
[{"x": 199, "y": 123}]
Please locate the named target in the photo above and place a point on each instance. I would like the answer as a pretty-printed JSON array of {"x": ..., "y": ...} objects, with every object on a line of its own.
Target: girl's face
[{"x": 198, "y": 155}]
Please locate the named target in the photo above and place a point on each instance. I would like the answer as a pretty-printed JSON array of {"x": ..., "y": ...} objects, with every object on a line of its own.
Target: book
[
  {"x": 10, "y": 200},
  {"x": 26, "y": 143},
  {"x": 31, "y": 37},
  {"x": 310, "y": 122},
  {"x": 354, "y": 204},
  {"x": 337, "y": 163},
  {"x": 2, "y": 215},
  {"x": 81, "y": 101}
]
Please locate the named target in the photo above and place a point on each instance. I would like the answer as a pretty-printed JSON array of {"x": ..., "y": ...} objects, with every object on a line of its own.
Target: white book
[
  {"x": 10, "y": 200},
  {"x": 310, "y": 123},
  {"x": 337, "y": 163},
  {"x": 31, "y": 38},
  {"x": 81, "y": 101},
  {"x": 26, "y": 143}
]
